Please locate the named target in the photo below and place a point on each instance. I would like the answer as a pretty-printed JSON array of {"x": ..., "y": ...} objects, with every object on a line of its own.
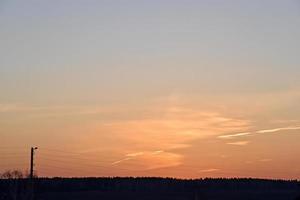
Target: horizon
[
  {"x": 184, "y": 89},
  {"x": 146, "y": 177}
]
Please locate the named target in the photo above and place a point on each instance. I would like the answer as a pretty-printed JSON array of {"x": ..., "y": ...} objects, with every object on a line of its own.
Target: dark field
[{"x": 152, "y": 189}]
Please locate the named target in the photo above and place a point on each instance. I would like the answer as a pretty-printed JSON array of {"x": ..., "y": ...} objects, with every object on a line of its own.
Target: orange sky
[
  {"x": 151, "y": 88},
  {"x": 172, "y": 136}
]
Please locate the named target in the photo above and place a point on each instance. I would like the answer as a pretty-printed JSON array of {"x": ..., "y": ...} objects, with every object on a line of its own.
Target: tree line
[{"x": 14, "y": 185}]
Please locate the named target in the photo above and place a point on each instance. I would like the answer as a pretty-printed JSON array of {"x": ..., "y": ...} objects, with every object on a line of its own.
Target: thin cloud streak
[
  {"x": 266, "y": 160},
  {"x": 135, "y": 154},
  {"x": 209, "y": 170},
  {"x": 129, "y": 156},
  {"x": 259, "y": 132},
  {"x": 278, "y": 129},
  {"x": 157, "y": 152},
  {"x": 239, "y": 143},
  {"x": 151, "y": 160},
  {"x": 122, "y": 160},
  {"x": 235, "y": 135}
]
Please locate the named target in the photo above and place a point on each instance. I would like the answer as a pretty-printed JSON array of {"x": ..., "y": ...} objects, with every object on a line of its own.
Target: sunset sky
[{"x": 179, "y": 88}]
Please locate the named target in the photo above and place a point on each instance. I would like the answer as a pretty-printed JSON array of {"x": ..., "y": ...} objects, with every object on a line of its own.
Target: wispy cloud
[
  {"x": 239, "y": 143},
  {"x": 122, "y": 160},
  {"x": 54, "y": 110},
  {"x": 128, "y": 156},
  {"x": 259, "y": 132},
  {"x": 209, "y": 170},
  {"x": 135, "y": 154},
  {"x": 157, "y": 152},
  {"x": 278, "y": 129},
  {"x": 235, "y": 135},
  {"x": 16, "y": 107},
  {"x": 265, "y": 160},
  {"x": 151, "y": 160}
]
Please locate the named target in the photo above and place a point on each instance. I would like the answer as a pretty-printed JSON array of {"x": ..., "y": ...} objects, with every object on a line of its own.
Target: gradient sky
[{"x": 188, "y": 88}]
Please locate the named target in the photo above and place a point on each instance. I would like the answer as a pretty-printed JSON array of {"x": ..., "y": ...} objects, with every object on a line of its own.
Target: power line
[
  {"x": 61, "y": 151},
  {"x": 90, "y": 165},
  {"x": 69, "y": 154},
  {"x": 74, "y": 157},
  {"x": 81, "y": 171},
  {"x": 72, "y": 161}
]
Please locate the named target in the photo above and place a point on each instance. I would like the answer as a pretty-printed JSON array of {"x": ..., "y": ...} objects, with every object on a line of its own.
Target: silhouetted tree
[{"x": 15, "y": 186}]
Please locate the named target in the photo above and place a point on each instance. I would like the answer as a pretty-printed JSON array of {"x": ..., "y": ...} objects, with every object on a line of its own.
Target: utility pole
[
  {"x": 32, "y": 162},
  {"x": 31, "y": 175}
]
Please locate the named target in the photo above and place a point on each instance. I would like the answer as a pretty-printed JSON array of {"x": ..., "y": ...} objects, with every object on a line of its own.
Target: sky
[{"x": 186, "y": 89}]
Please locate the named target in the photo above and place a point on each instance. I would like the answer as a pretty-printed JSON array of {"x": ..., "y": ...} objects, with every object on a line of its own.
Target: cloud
[
  {"x": 161, "y": 160},
  {"x": 239, "y": 143},
  {"x": 122, "y": 160},
  {"x": 6, "y": 108},
  {"x": 128, "y": 156},
  {"x": 172, "y": 131},
  {"x": 209, "y": 170},
  {"x": 265, "y": 160},
  {"x": 157, "y": 152},
  {"x": 151, "y": 160},
  {"x": 135, "y": 131},
  {"x": 278, "y": 129},
  {"x": 259, "y": 132},
  {"x": 55, "y": 110},
  {"x": 235, "y": 135},
  {"x": 224, "y": 156},
  {"x": 134, "y": 154}
]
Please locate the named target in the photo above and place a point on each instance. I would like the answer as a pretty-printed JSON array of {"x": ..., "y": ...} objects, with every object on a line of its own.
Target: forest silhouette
[{"x": 148, "y": 188}]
